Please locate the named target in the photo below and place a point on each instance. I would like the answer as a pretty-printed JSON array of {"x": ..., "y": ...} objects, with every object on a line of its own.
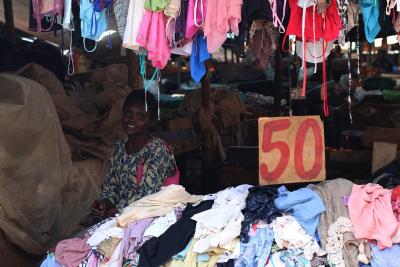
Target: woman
[{"x": 139, "y": 166}]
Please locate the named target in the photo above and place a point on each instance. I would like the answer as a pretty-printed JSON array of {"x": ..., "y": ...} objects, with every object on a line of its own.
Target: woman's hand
[{"x": 101, "y": 209}]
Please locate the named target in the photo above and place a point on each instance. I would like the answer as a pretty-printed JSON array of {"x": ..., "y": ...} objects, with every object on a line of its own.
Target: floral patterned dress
[{"x": 121, "y": 182}]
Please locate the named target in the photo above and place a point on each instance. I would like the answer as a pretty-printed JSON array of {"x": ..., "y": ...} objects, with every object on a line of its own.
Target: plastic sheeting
[{"x": 43, "y": 194}]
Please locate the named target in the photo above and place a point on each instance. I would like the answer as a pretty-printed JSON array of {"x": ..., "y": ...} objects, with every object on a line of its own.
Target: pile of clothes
[{"x": 334, "y": 223}]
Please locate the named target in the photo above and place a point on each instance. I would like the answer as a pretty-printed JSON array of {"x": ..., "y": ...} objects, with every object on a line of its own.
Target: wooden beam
[
  {"x": 9, "y": 20},
  {"x": 205, "y": 87},
  {"x": 134, "y": 78},
  {"x": 385, "y": 135}
]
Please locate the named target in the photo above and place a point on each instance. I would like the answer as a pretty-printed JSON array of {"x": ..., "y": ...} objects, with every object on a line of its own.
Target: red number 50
[{"x": 283, "y": 147}]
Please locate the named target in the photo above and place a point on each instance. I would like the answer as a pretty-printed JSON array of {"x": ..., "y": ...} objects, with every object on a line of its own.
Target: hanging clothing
[
  {"x": 368, "y": 204},
  {"x": 258, "y": 10},
  {"x": 222, "y": 16},
  {"x": 315, "y": 51},
  {"x": 325, "y": 28},
  {"x": 198, "y": 58},
  {"x": 121, "y": 185},
  {"x": 134, "y": 18},
  {"x": 93, "y": 24},
  {"x": 152, "y": 36},
  {"x": 158, "y": 251},
  {"x": 370, "y": 13},
  {"x": 121, "y": 10},
  {"x": 156, "y": 5},
  {"x": 262, "y": 42},
  {"x": 385, "y": 21},
  {"x": 195, "y": 17},
  {"x": 180, "y": 26},
  {"x": 68, "y": 22},
  {"x": 353, "y": 13}
]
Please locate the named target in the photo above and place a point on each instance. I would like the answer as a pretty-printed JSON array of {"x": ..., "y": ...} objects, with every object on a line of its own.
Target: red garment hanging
[{"x": 325, "y": 26}]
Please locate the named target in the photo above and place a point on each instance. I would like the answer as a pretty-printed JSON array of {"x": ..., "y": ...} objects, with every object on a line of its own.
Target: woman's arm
[{"x": 111, "y": 186}]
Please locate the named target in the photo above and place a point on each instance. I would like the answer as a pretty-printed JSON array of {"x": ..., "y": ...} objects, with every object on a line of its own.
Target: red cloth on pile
[{"x": 396, "y": 202}]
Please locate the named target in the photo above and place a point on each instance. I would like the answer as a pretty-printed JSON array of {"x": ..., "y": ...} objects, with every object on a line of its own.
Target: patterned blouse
[{"x": 120, "y": 185}]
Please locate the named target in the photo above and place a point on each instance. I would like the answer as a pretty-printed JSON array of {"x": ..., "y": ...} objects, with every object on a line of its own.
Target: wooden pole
[
  {"x": 9, "y": 19},
  {"x": 278, "y": 76},
  {"x": 205, "y": 87},
  {"x": 134, "y": 79}
]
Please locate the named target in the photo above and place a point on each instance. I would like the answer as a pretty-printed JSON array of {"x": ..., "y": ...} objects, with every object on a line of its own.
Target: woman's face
[{"x": 135, "y": 120}]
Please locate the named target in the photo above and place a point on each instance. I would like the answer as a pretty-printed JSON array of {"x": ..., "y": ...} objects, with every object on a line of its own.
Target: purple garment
[
  {"x": 93, "y": 261},
  {"x": 180, "y": 26},
  {"x": 133, "y": 235}
]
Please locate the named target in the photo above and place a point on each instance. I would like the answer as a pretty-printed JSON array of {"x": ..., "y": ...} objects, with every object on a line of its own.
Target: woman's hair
[{"x": 139, "y": 97}]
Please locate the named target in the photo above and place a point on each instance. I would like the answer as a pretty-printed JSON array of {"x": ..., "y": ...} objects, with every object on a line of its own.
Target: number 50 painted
[{"x": 291, "y": 149}]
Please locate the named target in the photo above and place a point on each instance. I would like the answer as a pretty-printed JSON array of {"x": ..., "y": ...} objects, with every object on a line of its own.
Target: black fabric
[
  {"x": 259, "y": 206},
  {"x": 257, "y": 9},
  {"x": 352, "y": 35},
  {"x": 180, "y": 26},
  {"x": 230, "y": 263},
  {"x": 385, "y": 21},
  {"x": 389, "y": 175},
  {"x": 158, "y": 251}
]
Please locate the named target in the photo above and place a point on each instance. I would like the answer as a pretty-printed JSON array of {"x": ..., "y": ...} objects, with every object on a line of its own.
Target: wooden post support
[
  {"x": 205, "y": 87},
  {"x": 9, "y": 19},
  {"x": 278, "y": 75},
  {"x": 134, "y": 79},
  {"x": 383, "y": 154}
]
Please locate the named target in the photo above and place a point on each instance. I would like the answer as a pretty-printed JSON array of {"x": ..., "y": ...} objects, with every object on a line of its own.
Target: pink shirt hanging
[
  {"x": 195, "y": 17},
  {"x": 152, "y": 36},
  {"x": 221, "y": 16}
]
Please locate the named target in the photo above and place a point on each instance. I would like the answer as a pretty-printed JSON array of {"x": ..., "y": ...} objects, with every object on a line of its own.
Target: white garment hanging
[
  {"x": 135, "y": 15},
  {"x": 183, "y": 51},
  {"x": 68, "y": 23},
  {"x": 314, "y": 55}
]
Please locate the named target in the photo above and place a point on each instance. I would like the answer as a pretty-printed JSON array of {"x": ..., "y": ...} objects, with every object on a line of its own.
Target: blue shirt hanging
[
  {"x": 370, "y": 12},
  {"x": 198, "y": 57}
]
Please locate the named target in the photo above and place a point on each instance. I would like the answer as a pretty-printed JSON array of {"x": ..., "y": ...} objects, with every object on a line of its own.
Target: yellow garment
[
  {"x": 156, "y": 205},
  {"x": 191, "y": 257},
  {"x": 108, "y": 246}
]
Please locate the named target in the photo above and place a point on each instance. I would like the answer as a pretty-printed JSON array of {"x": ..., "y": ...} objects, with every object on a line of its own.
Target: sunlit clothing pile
[{"x": 335, "y": 223}]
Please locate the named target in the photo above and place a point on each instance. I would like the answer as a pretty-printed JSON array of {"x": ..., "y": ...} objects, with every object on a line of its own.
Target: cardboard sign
[{"x": 291, "y": 150}]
